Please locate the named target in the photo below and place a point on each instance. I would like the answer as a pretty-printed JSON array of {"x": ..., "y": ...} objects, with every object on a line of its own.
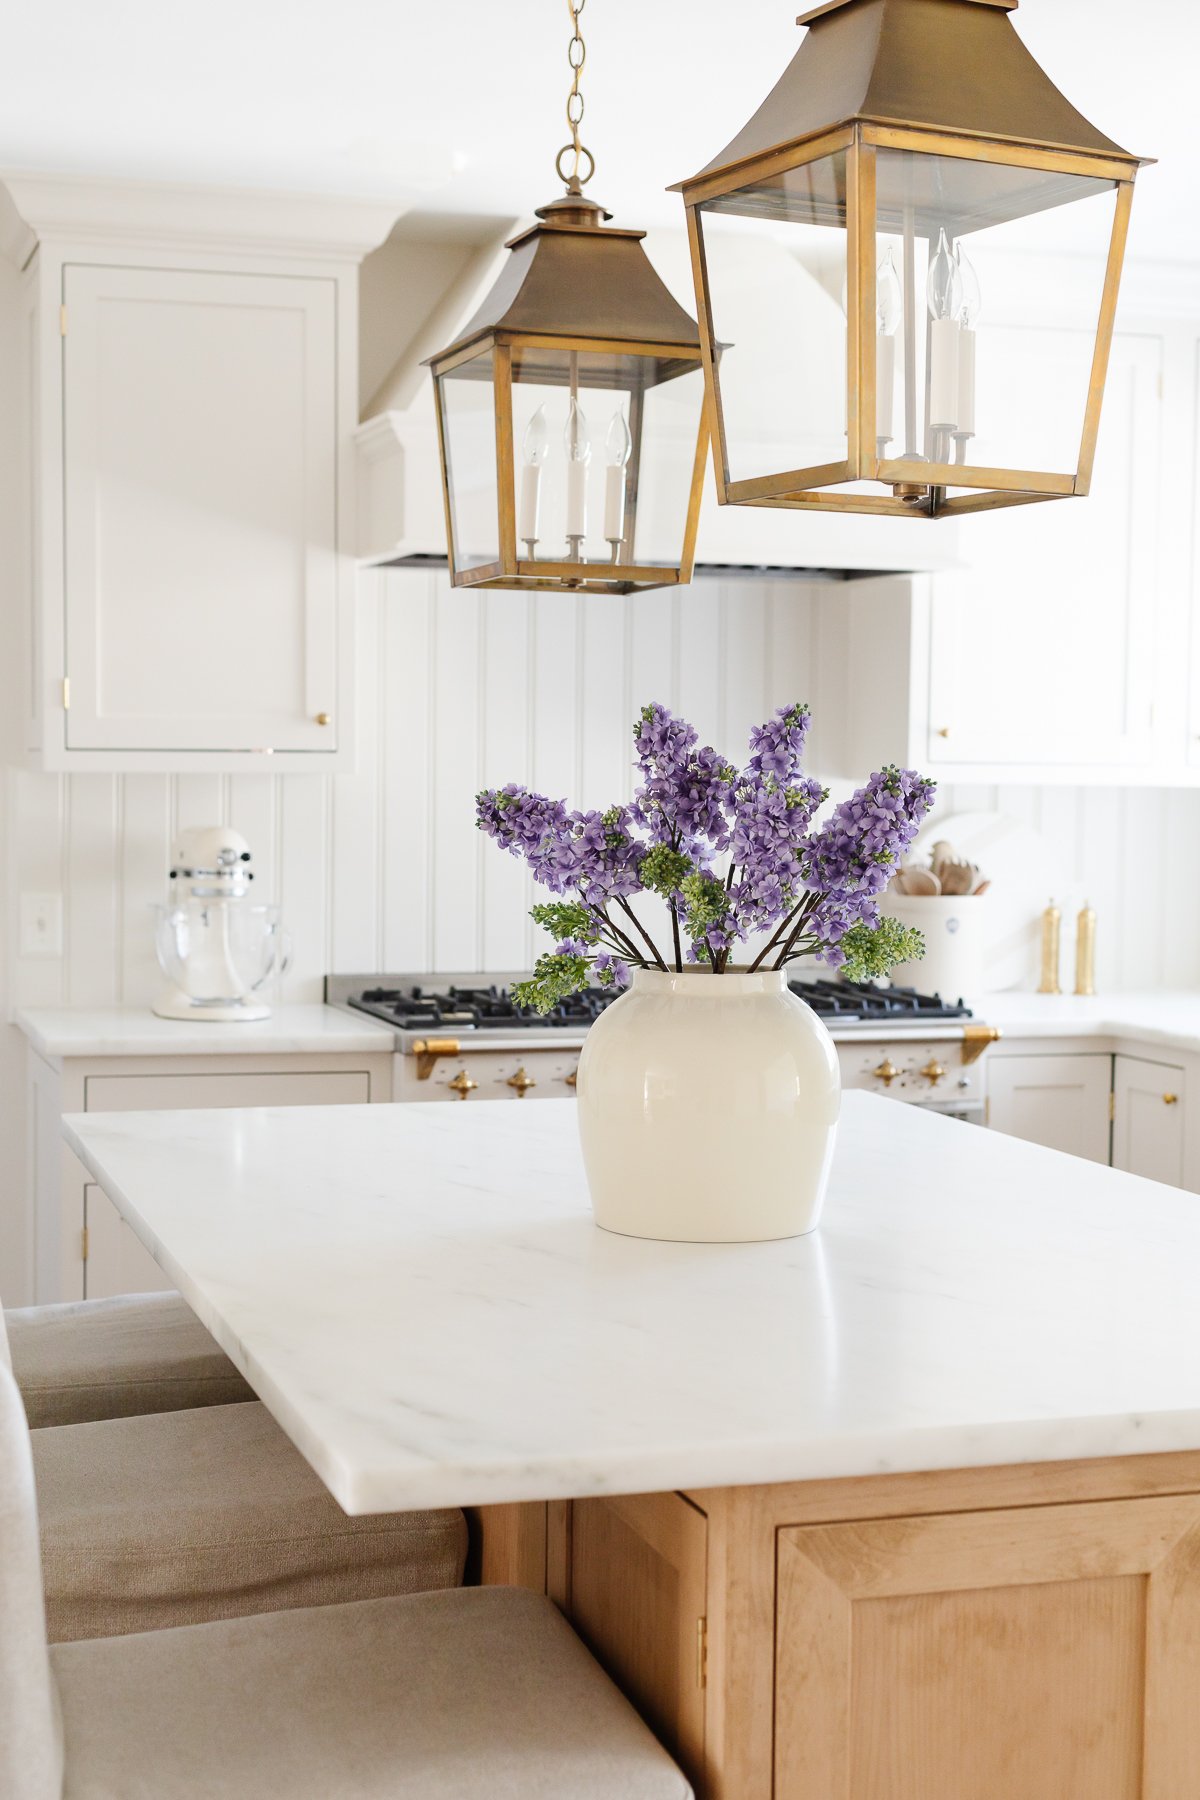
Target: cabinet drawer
[{"x": 160, "y": 1093}]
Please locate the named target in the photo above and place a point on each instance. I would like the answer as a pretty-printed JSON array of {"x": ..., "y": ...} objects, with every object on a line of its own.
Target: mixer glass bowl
[{"x": 219, "y": 950}]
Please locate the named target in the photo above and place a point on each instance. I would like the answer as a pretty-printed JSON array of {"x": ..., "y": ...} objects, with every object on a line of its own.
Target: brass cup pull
[
  {"x": 571, "y": 1079},
  {"x": 522, "y": 1081},
  {"x": 1170, "y": 1099},
  {"x": 462, "y": 1085},
  {"x": 886, "y": 1072},
  {"x": 933, "y": 1072}
]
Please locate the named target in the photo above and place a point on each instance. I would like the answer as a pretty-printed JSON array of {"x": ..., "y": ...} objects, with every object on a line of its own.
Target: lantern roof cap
[
  {"x": 573, "y": 276},
  {"x": 953, "y": 66}
]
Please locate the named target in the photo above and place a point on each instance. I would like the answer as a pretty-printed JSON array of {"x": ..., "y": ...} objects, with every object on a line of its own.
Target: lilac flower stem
[
  {"x": 675, "y": 935},
  {"x": 781, "y": 933},
  {"x": 642, "y": 932},
  {"x": 621, "y": 940},
  {"x": 785, "y": 953}
]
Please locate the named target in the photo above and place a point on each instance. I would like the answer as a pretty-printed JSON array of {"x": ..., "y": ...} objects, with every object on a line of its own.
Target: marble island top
[{"x": 420, "y": 1297}]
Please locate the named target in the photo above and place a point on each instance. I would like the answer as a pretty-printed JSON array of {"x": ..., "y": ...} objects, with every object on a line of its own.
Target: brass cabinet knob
[
  {"x": 324, "y": 719},
  {"x": 944, "y": 731},
  {"x": 1170, "y": 1099},
  {"x": 522, "y": 1082},
  {"x": 462, "y": 1085},
  {"x": 886, "y": 1072},
  {"x": 933, "y": 1072},
  {"x": 571, "y": 1079}
]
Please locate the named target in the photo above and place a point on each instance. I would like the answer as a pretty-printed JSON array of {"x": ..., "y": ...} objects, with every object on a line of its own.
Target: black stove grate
[{"x": 457, "y": 1009}]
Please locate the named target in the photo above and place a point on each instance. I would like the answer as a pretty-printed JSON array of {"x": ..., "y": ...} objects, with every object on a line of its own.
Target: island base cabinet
[{"x": 1023, "y": 1633}]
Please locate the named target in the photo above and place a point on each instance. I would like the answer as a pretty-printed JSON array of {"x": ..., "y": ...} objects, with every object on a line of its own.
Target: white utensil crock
[
  {"x": 956, "y": 932},
  {"x": 708, "y": 1106}
]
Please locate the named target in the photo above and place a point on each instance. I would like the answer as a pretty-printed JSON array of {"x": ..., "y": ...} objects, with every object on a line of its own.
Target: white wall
[{"x": 384, "y": 870}]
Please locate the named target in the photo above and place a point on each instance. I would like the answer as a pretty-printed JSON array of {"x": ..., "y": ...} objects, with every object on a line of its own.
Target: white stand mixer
[{"x": 215, "y": 944}]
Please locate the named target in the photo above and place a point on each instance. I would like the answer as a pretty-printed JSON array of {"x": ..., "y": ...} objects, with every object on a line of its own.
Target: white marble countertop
[
  {"x": 62, "y": 1031},
  {"x": 420, "y": 1297},
  {"x": 1169, "y": 1020}
]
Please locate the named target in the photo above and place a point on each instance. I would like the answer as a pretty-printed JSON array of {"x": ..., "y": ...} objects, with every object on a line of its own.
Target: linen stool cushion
[
  {"x": 479, "y": 1694},
  {"x": 108, "y": 1359},
  {"x": 171, "y": 1518}
]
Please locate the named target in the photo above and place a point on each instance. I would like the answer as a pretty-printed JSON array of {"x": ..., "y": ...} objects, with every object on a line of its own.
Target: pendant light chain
[{"x": 576, "y": 57}]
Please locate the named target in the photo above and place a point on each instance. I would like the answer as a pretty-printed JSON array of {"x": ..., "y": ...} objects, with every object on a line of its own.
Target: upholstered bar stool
[
  {"x": 109, "y": 1359},
  {"x": 478, "y": 1694},
  {"x": 172, "y": 1518}
]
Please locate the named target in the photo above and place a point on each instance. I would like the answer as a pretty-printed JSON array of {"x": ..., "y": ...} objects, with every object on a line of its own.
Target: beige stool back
[{"x": 31, "y": 1748}]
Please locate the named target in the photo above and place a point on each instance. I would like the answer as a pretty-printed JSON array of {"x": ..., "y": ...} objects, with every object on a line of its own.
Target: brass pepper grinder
[
  {"x": 1051, "y": 938},
  {"x": 1085, "y": 950}
]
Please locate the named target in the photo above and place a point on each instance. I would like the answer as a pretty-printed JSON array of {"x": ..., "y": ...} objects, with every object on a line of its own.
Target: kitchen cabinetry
[
  {"x": 83, "y": 1247},
  {"x": 1056, "y": 1100},
  {"x": 1148, "y": 1118},
  {"x": 985, "y": 1633},
  {"x": 192, "y": 394}
]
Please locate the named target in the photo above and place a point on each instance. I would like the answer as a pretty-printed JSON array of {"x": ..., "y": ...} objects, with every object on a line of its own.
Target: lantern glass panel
[
  {"x": 1003, "y": 367},
  {"x": 604, "y": 445},
  {"x": 780, "y": 320},
  {"x": 468, "y": 403}
]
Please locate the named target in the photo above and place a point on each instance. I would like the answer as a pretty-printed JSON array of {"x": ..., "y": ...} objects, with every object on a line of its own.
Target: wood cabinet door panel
[
  {"x": 638, "y": 1599},
  {"x": 1148, "y": 1119},
  {"x": 200, "y": 484},
  {"x": 1051, "y": 1653}
]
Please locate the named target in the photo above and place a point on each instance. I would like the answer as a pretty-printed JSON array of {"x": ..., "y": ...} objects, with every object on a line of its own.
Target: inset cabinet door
[
  {"x": 1148, "y": 1119},
  {"x": 1059, "y": 1101},
  {"x": 1040, "y": 1653},
  {"x": 200, "y": 495},
  {"x": 115, "y": 1262}
]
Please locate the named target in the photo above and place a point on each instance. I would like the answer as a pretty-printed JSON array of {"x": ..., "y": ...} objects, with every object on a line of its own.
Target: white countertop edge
[{"x": 57, "y": 1033}]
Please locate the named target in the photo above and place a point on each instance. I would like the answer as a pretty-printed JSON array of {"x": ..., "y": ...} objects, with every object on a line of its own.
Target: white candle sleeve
[
  {"x": 966, "y": 382},
  {"x": 614, "y": 505},
  {"x": 577, "y": 474},
  {"x": 943, "y": 375},
  {"x": 885, "y": 386},
  {"x": 531, "y": 503}
]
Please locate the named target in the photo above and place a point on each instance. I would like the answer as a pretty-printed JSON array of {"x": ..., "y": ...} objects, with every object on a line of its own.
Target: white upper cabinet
[
  {"x": 193, "y": 397},
  {"x": 1042, "y": 650}
]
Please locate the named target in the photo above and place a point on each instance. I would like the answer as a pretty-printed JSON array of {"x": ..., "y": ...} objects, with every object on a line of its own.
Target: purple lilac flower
[
  {"x": 778, "y": 746},
  {"x": 572, "y": 947},
  {"x": 611, "y": 971},
  {"x": 863, "y": 842},
  {"x": 769, "y": 833},
  {"x": 683, "y": 797}
]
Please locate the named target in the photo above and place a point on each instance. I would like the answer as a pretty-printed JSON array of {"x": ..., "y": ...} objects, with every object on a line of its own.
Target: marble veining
[{"x": 420, "y": 1297}]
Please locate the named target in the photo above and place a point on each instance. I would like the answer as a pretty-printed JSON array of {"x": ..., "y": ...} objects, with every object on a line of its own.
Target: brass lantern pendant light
[
  {"x": 909, "y": 149},
  {"x": 571, "y": 407}
]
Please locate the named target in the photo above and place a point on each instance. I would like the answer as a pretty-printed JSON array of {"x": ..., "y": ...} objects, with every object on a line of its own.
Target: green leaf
[
  {"x": 554, "y": 978},
  {"x": 566, "y": 919}
]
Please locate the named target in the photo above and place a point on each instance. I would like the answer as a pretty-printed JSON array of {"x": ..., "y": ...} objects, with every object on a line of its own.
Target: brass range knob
[
  {"x": 462, "y": 1085},
  {"x": 933, "y": 1071},
  {"x": 571, "y": 1079},
  {"x": 522, "y": 1081},
  {"x": 886, "y": 1072}
]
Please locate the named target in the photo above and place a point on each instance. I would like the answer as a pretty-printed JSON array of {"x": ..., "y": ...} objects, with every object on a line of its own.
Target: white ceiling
[{"x": 457, "y": 109}]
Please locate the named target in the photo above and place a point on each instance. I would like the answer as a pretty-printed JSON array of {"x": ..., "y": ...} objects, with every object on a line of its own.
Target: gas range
[{"x": 461, "y": 1036}]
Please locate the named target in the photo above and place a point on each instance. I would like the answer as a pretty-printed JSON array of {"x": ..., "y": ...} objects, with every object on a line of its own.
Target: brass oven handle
[{"x": 522, "y": 1081}]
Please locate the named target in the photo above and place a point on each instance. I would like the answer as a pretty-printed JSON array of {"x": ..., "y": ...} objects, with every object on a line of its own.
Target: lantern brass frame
[
  {"x": 1071, "y": 147},
  {"x": 575, "y": 273}
]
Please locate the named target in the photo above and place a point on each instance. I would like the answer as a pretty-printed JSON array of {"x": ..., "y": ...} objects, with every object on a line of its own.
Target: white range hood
[{"x": 401, "y": 517}]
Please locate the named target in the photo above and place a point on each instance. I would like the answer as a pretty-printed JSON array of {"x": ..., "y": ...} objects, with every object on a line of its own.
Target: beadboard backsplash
[{"x": 384, "y": 870}]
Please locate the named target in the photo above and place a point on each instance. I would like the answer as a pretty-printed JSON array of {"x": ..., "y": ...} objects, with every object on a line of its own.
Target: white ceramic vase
[{"x": 708, "y": 1106}]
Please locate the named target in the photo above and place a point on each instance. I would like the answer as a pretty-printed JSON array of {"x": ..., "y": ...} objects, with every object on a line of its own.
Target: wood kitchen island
[{"x": 905, "y": 1510}]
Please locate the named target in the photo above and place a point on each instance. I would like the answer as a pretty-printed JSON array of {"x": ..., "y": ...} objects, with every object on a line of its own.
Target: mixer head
[{"x": 212, "y": 860}]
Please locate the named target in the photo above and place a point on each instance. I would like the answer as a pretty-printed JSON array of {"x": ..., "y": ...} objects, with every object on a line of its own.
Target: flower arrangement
[{"x": 807, "y": 890}]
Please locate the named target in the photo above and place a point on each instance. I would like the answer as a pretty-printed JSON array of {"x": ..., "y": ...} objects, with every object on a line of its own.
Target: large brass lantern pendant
[
  {"x": 910, "y": 148},
  {"x": 571, "y": 409}
]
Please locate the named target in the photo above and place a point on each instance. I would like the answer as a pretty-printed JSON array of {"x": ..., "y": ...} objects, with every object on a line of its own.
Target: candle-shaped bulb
[
  {"x": 576, "y": 441},
  {"x": 618, "y": 444},
  {"x": 969, "y": 291},
  {"x": 943, "y": 287},
  {"x": 535, "y": 445},
  {"x": 889, "y": 296}
]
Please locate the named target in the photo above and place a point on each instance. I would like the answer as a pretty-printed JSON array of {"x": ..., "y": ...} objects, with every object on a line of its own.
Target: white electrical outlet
[{"x": 41, "y": 925}]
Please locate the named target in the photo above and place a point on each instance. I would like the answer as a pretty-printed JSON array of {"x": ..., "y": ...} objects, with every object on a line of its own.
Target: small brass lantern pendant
[
  {"x": 909, "y": 148},
  {"x": 571, "y": 411}
]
